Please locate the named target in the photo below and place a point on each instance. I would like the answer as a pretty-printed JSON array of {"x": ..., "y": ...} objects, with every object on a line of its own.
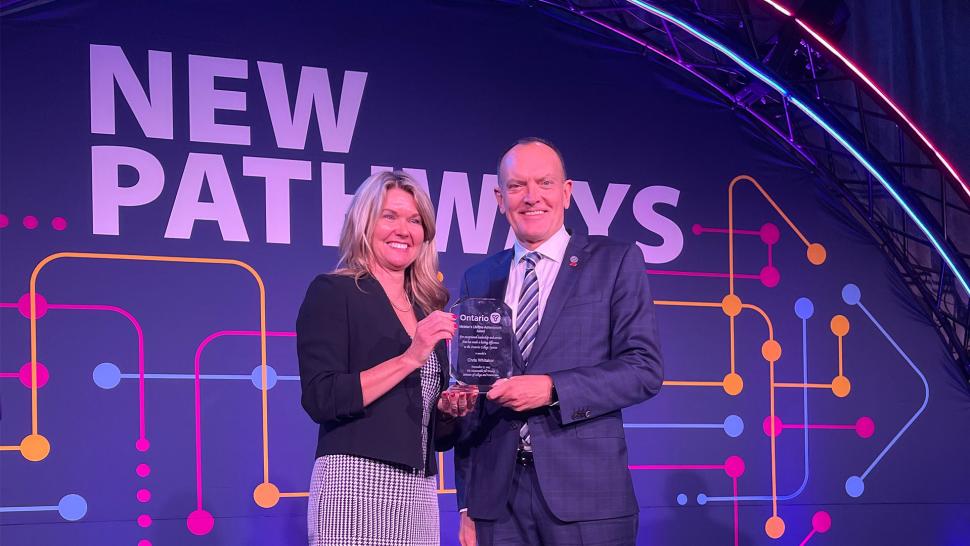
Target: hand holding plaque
[{"x": 481, "y": 351}]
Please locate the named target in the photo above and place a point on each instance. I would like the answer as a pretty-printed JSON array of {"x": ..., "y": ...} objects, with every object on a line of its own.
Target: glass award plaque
[{"x": 481, "y": 351}]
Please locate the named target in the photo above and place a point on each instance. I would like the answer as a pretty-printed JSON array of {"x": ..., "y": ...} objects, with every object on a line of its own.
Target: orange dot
[
  {"x": 266, "y": 495},
  {"x": 733, "y": 384},
  {"x": 839, "y": 325},
  {"x": 775, "y": 527},
  {"x": 441, "y": 277},
  {"x": 841, "y": 386},
  {"x": 816, "y": 254},
  {"x": 771, "y": 350},
  {"x": 731, "y": 305},
  {"x": 35, "y": 447}
]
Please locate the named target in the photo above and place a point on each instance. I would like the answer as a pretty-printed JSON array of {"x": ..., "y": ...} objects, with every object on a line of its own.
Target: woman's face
[{"x": 398, "y": 232}]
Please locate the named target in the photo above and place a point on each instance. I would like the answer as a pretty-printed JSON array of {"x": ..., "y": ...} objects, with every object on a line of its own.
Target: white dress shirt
[{"x": 547, "y": 268}]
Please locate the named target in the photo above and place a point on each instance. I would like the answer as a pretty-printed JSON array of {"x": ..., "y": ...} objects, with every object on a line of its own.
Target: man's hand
[
  {"x": 458, "y": 400},
  {"x": 522, "y": 392},
  {"x": 466, "y": 530}
]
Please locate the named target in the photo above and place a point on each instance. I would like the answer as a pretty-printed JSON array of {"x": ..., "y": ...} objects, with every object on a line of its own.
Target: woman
[{"x": 372, "y": 367}]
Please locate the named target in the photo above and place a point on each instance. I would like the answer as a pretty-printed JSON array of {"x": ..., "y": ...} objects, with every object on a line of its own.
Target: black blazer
[{"x": 345, "y": 327}]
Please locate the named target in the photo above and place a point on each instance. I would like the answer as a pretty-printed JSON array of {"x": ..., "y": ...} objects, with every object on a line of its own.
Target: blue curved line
[
  {"x": 787, "y": 94},
  {"x": 801, "y": 488},
  {"x": 926, "y": 390}
]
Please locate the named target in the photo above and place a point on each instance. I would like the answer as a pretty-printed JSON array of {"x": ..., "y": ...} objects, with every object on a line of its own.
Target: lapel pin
[{"x": 573, "y": 261}]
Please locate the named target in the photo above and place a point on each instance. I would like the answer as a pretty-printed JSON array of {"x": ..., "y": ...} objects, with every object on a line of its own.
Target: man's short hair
[{"x": 532, "y": 140}]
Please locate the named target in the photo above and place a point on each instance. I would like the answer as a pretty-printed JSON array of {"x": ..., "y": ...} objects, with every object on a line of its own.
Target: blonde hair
[{"x": 421, "y": 277}]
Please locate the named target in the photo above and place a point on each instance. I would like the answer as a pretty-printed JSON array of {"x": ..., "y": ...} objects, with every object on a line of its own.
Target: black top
[{"x": 346, "y": 326}]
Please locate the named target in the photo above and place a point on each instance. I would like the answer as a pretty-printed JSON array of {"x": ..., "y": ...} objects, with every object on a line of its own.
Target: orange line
[
  {"x": 771, "y": 330},
  {"x": 688, "y": 303},
  {"x": 149, "y": 258},
  {"x": 300, "y": 494},
  {"x": 732, "y": 343},
  {"x": 447, "y": 491},
  {"x": 804, "y": 385},
  {"x": 770, "y": 201},
  {"x": 694, "y": 383},
  {"x": 840, "y": 357},
  {"x": 9, "y": 448},
  {"x": 441, "y": 471}
]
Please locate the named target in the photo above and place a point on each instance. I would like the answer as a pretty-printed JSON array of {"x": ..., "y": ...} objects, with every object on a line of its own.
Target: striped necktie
[{"x": 526, "y": 325}]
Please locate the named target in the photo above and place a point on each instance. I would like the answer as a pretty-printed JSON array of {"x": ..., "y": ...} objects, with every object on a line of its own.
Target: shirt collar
[{"x": 553, "y": 249}]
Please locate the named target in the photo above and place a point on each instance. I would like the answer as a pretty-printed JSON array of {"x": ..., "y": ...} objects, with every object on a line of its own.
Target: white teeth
[
  {"x": 534, "y": 212},
  {"x": 400, "y": 246}
]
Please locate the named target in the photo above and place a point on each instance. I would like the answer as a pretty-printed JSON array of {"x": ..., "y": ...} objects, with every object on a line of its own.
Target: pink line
[
  {"x": 198, "y": 398},
  {"x": 806, "y": 538},
  {"x": 830, "y": 427},
  {"x": 141, "y": 350},
  {"x": 9, "y": 374},
  {"x": 677, "y": 467},
  {"x": 723, "y": 230},
  {"x": 700, "y": 274},
  {"x": 769, "y": 255},
  {"x": 735, "y": 502}
]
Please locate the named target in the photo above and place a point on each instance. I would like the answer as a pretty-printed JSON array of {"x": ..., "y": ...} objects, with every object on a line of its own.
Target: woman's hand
[
  {"x": 466, "y": 531},
  {"x": 458, "y": 400},
  {"x": 432, "y": 329}
]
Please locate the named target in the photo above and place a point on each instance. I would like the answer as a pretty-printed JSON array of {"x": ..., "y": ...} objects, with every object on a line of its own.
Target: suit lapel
[{"x": 562, "y": 289}]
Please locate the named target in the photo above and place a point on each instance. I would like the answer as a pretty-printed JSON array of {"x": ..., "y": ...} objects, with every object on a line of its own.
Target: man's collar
[{"x": 553, "y": 249}]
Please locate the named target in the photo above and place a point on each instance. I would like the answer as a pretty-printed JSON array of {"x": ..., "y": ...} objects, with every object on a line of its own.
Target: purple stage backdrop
[{"x": 173, "y": 174}]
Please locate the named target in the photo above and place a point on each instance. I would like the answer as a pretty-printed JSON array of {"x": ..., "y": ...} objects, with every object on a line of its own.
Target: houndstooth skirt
[{"x": 356, "y": 501}]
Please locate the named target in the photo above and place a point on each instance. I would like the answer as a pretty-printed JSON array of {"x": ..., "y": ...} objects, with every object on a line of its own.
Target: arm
[
  {"x": 330, "y": 391},
  {"x": 635, "y": 373}
]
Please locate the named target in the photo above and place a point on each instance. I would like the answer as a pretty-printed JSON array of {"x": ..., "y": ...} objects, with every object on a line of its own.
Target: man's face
[{"x": 533, "y": 193}]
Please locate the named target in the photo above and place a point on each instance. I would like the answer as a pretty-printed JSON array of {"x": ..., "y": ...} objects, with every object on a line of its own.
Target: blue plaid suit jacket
[{"x": 598, "y": 341}]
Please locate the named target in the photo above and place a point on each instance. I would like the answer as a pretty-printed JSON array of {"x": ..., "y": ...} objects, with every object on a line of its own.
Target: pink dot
[
  {"x": 769, "y": 276},
  {"x": 143, "y": 495},
  {"x": 30, "y": 222},
  {"x": 144, "y": 542},
  {"x": 4, "y": 221},
  {"x": 143, "y": 470},
  {"x": 864, "y": 427},
  {"x": 144, "y": 520},
  {"x": 200, "y": 522},
  {"x": 734, "y": 466},
  {"x": 696, "y": 229},
  {"x": 23, "y": 305},
  {"x": 59, "y": 224},
  {"x": 142, "y": 444},
  {"x": 769, "y": 234},
  {"x": 821, "y": 522},
  {"x": 42, "y": 375},
  {"x": 766, "y": 425}
]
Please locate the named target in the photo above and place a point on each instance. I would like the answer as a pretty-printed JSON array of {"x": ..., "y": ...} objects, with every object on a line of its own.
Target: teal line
[
  {"x": 926, "y": 390},
  {"x": 238, "y": 377},
  {"x": 28, "y": 509}
]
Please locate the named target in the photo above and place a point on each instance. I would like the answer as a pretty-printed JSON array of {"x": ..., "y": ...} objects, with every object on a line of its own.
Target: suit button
[{"x": 587, "y": 414}]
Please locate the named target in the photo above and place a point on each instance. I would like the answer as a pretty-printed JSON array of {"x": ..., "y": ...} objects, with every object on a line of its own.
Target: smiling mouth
[
  {"x": 533, "y": 213},
  {"x": 398, "y": 246}
]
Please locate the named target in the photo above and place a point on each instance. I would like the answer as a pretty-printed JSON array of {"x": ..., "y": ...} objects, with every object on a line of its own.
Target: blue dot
[
  {"x": 681, "y": 499},
  {"x": 804, "y": 308},
  {"x": 72, "y": 507},
  {"x": 701, "y": 499},
  {"x": 851, "y": 294},
  {"x": 733, "y": 426},
  {"x": 854, "y": 486},
  {"x": 106, "y": 375},
  {"x": 257, "y": 377}
]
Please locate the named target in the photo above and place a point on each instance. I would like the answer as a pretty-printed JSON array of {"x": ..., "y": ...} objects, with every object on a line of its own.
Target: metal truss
[{"x": 811, "y": 70}]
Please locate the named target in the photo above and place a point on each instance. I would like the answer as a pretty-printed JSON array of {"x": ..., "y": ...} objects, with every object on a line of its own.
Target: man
[{"x": 543, "y": 460}]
